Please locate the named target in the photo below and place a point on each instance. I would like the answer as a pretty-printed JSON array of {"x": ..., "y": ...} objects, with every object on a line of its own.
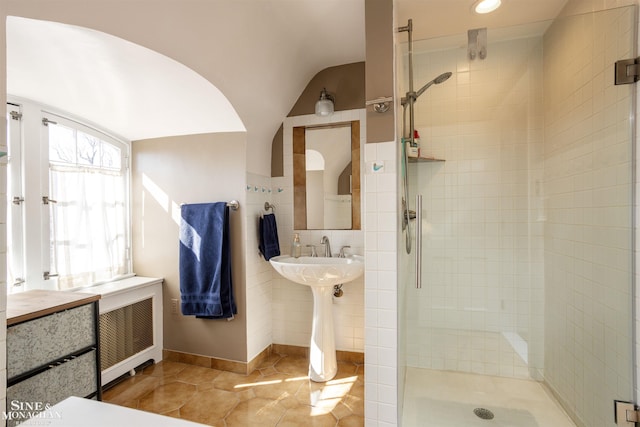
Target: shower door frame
[{"x": 632, "y": 227}]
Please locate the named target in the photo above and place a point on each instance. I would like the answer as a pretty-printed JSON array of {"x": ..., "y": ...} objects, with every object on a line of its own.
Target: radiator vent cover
[{"x": 125, "y": 332}]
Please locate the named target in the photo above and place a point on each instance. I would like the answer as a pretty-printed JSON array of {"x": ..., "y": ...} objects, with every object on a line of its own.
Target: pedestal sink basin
[{"x": 320, "y": 274}]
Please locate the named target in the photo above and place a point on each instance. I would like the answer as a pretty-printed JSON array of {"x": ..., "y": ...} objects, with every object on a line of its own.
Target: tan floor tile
[
  {"x": 173, "y": 414},
  {"x": 167, "y": 397},
  {"x": 293, "y": 366},
  {"x": 131, "y": 389},
  {"x": 269, "y": 370},
  {"x": 341, "y": 411},
  {"x": 303, "y": 415},
  {"x": 352, "y": 421},
  {"x": 346, "y": 370},
  {"x": 269, "y": 361},
  {"x": 355, "y": 404},
  {"x": 255, "y": 413},
  {"x": 309, "y": 392},
  {"x": 283, "y": 396},
  {"x": 209, "y": 407},
  {"x": 322, "y": 398},
  {"x": 165, "y": 369},
  {"x": 197, "y": 375},
  {"x": 231, "y": 381},
  {"x": 278, "y": 386}
]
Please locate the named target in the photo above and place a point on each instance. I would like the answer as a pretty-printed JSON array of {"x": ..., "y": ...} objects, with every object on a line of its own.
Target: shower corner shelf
[{"x": 424, "y": 160}]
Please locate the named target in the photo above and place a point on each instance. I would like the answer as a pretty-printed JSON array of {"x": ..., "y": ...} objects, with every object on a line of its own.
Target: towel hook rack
[{"x": 268, "y": 206}]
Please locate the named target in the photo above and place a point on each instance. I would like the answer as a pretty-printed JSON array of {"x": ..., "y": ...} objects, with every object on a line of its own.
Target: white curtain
[{"x": 88, "y": 233}]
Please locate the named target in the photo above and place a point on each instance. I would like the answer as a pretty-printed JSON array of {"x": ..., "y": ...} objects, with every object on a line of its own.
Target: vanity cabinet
[{"x": 52, "y": 347}]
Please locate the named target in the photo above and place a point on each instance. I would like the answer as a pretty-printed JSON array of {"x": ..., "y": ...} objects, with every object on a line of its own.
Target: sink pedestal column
[{"x": 322, "y": 351}]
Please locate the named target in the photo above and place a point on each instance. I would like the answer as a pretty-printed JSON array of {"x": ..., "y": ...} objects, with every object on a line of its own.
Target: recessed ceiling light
[{"x": 486, "y": 6}]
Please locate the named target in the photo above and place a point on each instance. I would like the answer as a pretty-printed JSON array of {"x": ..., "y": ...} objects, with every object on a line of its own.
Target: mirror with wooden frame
[{"x": 326, "y": 176}]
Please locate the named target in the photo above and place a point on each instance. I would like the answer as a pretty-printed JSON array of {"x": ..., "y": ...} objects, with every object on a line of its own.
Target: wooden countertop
[{"x": 30, "y": 305}]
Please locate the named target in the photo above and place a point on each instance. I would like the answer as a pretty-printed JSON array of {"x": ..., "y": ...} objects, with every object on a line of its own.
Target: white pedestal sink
[{"x": 321, "y": 274}]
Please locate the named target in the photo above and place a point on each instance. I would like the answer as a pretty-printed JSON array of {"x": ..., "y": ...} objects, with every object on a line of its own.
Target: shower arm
[{"x": 411, "y": 95}]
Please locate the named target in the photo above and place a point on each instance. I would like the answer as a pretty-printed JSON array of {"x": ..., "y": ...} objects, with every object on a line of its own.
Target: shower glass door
[{"x": 527, "y": 209}]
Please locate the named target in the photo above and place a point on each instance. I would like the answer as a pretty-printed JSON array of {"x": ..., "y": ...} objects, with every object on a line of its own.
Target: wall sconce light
[{"x": 324, "y": 106}]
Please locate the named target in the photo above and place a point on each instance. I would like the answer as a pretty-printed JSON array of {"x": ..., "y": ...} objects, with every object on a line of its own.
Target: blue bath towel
[
  {"x": 269, "y": 245},
  {"x": 206, "y": 287}
]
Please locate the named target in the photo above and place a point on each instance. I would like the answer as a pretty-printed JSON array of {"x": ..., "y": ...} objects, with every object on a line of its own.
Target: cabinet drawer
[
  {"x": 37, "y": 342},
  {"x": 77, "y": 377}
]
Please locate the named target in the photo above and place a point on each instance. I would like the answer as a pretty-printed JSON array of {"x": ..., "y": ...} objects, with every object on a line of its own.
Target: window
[
  {"x": 83, "y": 208},
  {"x": 15, "y": 235}
]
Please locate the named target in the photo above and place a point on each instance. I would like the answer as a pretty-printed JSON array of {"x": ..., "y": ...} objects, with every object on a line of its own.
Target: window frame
[{"x": 34, "y": 163}]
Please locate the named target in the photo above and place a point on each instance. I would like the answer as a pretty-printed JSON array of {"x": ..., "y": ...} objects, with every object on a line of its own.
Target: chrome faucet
[
  {"x": 327, "y": 246},
  {"x": 314, "y": 253},
  {"x": 342, "y": 254}
]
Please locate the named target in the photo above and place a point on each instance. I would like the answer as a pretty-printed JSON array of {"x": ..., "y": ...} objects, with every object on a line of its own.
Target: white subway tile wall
[
  {"x": 588, "y": 177},
  {"x": 259, "y": 292},
  {"x": 381, "y": 285}
]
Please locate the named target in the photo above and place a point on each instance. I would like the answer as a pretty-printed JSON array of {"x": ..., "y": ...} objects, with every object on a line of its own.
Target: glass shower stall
[{"x": 516, "y": 297}]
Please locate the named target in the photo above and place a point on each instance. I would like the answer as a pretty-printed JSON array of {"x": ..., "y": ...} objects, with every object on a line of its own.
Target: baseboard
[
  {"x": 294, "y": 350},
  {"x": 245, "y": 368}
]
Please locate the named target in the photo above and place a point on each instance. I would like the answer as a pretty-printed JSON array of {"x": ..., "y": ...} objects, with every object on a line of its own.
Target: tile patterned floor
[{"x": 279, "y": 393}]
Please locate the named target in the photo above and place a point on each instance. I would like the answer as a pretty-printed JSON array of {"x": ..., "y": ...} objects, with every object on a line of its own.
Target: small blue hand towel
[
  {"x": 206, "y": 286},
  {"x": 269, "y": 245}
]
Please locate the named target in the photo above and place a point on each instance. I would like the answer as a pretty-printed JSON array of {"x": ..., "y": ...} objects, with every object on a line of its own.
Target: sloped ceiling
[{"x": 258, "y": 54}]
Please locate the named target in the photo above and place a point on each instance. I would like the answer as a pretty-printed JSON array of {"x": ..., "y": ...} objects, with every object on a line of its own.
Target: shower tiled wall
[
  {"x": 588, "y": 176},
  {"x": 480, "y": 307},
  {"x": 292, "y": 303}
]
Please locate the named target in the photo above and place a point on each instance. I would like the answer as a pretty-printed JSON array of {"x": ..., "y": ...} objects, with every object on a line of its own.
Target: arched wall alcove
[{"x": 123, "y": 87}]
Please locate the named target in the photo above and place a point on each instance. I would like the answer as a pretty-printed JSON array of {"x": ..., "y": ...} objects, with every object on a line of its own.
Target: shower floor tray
[{"x": 448, "y": 399}]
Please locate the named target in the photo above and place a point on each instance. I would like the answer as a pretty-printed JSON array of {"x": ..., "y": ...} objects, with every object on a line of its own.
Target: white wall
[
  {"x": 259, "y": 273},
  {"x": 293, "y": 303},
  {"x": 382, "y": 286}
]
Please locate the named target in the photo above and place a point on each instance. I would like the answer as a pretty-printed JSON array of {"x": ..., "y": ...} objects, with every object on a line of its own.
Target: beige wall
[
  {"x": 167, "y": 172},
  {"x": 344, "y": 82},
  {"x": 379, "y": 67}
]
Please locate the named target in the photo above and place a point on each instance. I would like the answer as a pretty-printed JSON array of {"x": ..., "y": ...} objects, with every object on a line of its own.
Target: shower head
[{"x": 440, "y": 79}]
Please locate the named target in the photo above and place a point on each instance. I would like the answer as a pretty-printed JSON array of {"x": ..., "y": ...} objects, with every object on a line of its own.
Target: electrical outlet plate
[{"x": 174, "y": 306}]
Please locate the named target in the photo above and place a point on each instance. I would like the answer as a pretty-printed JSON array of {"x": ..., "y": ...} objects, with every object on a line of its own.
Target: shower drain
[{"x": 483, "y": 413}]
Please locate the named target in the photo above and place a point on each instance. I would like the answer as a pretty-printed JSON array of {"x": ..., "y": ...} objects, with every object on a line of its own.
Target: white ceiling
[
  {"x": 120, "y": 86},
  {"x": 437, "y": 18},
  {"x": 226, "y": 65}
]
